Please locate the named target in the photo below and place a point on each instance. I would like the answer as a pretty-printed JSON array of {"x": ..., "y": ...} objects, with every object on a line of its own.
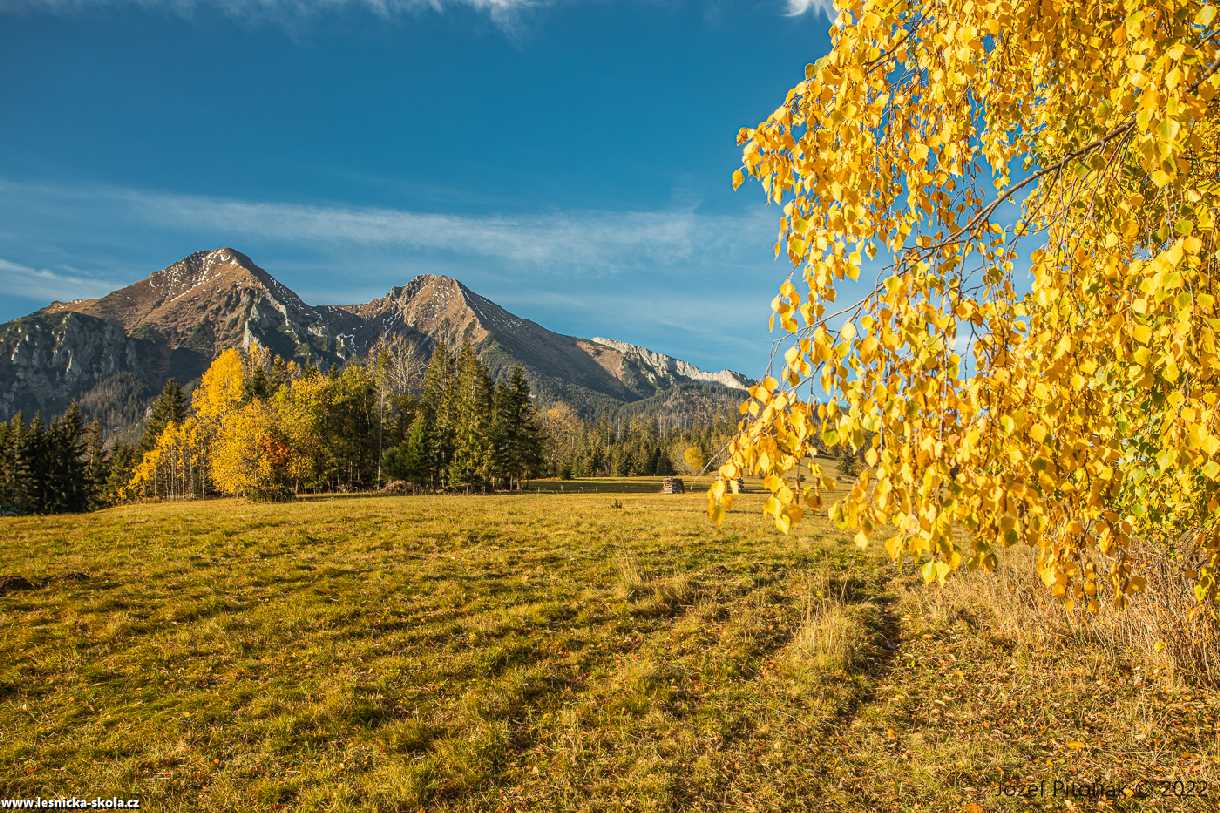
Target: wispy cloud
[
  {"x": 569, "y": 242},
  {"x": 684, "y": 281},
  {"x": 290, "y": 13},
  {"x": 798, "y": 7},
  {"x": 583, "y": 240},
  {"x": 42, "y": 284}
]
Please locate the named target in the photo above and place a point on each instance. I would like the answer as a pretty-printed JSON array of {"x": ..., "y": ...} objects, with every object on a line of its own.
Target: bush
[
  {"x": 273, "y": 494},
  {"x": 849, "y": 463}
]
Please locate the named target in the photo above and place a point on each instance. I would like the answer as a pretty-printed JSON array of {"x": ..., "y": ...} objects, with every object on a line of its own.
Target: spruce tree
[
  {"x": 471, "y": 421},
  {"x": 10, "y": 431},
  {"x": 529, "y": 431},
  {"x": 500, "y": 436},
  {"x": 21, "y": 453},
  {"x": 170, "y": 405},
  {"x": 437, "y": 400},
  {"x": 259, "y": 385},
  {"x": 122, "y": 463},
  {"x": 35, "y": 474},
  {"x": 410, "y": 460},
  {"x": 66, "y": 487},
  {"x": 97, "y": 466},
  {"x": 515, "y": 430}
]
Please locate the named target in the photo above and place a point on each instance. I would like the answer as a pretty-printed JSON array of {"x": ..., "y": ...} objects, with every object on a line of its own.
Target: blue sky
[{"x": 569, "y": 160}]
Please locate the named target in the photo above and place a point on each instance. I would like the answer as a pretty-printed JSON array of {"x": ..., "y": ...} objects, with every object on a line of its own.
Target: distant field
[{"x": 545, "y": 651}]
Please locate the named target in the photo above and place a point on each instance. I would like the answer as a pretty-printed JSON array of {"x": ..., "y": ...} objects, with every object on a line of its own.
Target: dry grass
[
  {"x": 1159, "y": 633},
  {"x": 630, "y": 580},
  {"x": 470, "y": 653},
  {"x": 541, "y": 652},
  {"x": 835, "y": 635}
]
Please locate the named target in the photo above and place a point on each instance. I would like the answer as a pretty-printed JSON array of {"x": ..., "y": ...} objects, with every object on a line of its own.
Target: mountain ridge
[{"x": 174, "y": 321}]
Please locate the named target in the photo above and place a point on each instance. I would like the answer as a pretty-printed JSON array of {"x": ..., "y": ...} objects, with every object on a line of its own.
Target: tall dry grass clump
[
  {"x": 1159, "y": 631},
  {"x": 630, "y": 580},
  {"x": 834, "y": 634}
]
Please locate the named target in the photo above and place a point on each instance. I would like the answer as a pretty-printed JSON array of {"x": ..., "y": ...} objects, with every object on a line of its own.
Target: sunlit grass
[{"x": 531, "y": 651}]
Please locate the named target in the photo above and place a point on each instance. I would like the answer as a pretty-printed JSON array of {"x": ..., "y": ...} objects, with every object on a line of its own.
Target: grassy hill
[{"x": 551, "y": 651}]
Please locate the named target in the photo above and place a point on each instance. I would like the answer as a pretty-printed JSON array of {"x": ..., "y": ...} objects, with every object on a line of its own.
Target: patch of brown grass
[
  {"x": 834, "y": 636},
  {"x": 1159, "y": 632}
]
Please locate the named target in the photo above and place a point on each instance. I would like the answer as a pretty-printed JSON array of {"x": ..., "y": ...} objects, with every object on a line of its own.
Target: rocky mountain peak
[
  {"x": 435, "y": 288},
  {"x": 175, "y": 321},
  {"x": 433, "y": 304},
  {"x": 210, "y": 300},
  {"x": 198, "y": 268},
  {"x": 658, "y": 369}
]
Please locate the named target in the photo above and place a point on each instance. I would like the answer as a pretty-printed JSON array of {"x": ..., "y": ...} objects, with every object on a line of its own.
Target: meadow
[{"x": 586, "y": 646}]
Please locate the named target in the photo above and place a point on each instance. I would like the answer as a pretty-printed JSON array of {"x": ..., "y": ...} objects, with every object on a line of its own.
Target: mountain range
[{"x": 111, "y": 355}]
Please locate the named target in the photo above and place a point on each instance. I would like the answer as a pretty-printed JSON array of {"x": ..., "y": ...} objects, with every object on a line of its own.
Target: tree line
[
  {"x": 258, "y": 426},
  {"x": 264, "y": 428},
  {"x": 53, "y": 467},
  {"x": 624, "y": 447}
]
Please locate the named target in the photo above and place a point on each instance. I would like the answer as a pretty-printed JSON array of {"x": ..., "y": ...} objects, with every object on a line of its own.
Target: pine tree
[
  {"x": 66, "y": 486},
  {"x": 472, "y": 450},
  {"x": 515, "y": 431},
  {"x": 14, "y": 472},
  {"x": 595, "y": 457},
  {"x": 410, "y": 460},
  {"x": 97, "y": 466},
  {"x": 849, "y": 462},
  {"x": 36, "y": 462},
  {"x": 529, "y": 428},
  {"x": 437, "y": 401},
  {"x": 24, "y": 446},
  {"x": 258, "y": 385},
  {"x": 170, "y": 405},
  {"x": 500, "y": 435},
  {"x": 118, "y": 474}
]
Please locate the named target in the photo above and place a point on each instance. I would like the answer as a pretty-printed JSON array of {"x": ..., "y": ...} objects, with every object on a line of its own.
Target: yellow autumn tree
[
  {"x": 299, "y": 407},
  {"x": 692, "y": 458},
  {"x": 179, "y": 465},
  {"x": 222, "y": 387},
  {"x": 175, "y": 467},
  {"x": 1000, "y": 216},
  {"x": 250, "y": 454}
]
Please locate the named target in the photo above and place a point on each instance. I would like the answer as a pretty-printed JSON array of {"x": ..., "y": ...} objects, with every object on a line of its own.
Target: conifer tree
[
  {"x": 33, "y": 497},
  {"x": 97, "y": 466},
  {"x": 516, "y": 434},
  {"x": 471, "y": 412},
  {"x": 118, "y": 474},
  {"x": 410, "y": 460},
  {"x": 438, "y": 391},
  {"x": 170, "y": 405},
  {"x": 66, "y": 487},
  {"x": 15, "y": 473}
]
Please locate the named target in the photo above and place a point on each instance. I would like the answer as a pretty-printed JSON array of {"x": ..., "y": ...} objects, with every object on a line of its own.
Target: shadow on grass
[
  {"x": 593, "y": 485},
  {"x": 606, "y": 485}
]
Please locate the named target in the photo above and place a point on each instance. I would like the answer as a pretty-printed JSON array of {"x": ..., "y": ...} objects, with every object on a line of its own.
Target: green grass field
[{"x": 547, "y": 651}]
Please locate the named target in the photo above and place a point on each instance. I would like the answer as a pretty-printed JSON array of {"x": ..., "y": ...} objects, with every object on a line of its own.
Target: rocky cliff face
[
  {"x": 172, "y": 323},
  {"x": 646, "y": 368},
  {"x": 48, "y": 360}
]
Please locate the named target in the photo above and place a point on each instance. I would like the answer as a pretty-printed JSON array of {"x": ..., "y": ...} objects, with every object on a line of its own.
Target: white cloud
[
  {"x": 42, "y": 285},
  {"x": 574, "y": 241},
  {"x": 290, "y": 13},
  {"x": 798, "y": 7},
  {"x": 564, "y": 241},
  {"x": 674, "y": 241},
  {"x": 695, "y": 284}
]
